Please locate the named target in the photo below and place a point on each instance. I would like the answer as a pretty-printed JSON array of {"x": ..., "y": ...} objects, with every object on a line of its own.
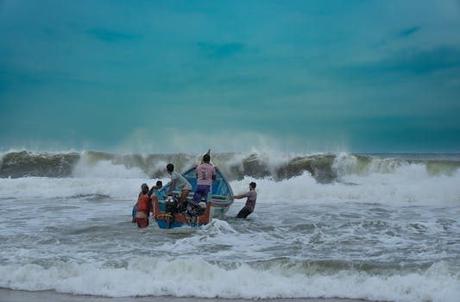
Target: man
[
  {"x": 180, "y": 183},
  {"x": 143, "y": 207},
  {"x": 205, "y": 174},
  {"x": 250, "y": 201},
  {"x": 154, "y": 190}
]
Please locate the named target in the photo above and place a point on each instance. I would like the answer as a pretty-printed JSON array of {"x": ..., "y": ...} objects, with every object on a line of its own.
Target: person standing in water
[
  {"x": 152, "y": 193},
  {"x": 154, "y": 190},
  {"x": 251, "y": 196},
  {"x": 143, "y": 207},
  {"x": 205, "y": 174}
]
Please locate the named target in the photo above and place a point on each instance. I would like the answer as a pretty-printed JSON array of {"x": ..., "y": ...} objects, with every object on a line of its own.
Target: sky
[{"x": 185, "y": 76}]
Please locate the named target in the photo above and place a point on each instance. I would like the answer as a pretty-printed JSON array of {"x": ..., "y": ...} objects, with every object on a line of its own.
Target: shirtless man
[{"x": 251, "y": 196}]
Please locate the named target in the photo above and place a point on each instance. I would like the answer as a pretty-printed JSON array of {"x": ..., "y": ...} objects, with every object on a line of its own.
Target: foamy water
[{"x": 387, "y": 232}]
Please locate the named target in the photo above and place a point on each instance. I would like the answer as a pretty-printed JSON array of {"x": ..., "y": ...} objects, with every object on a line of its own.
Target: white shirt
[{"x": 181, "y": 182}]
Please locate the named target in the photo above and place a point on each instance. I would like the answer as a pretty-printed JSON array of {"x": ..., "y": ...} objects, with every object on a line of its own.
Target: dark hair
[
  {"x": 159, "y": 184},
  {"x": 170, "y": 167},
  {"x": 206, "y": 158},
  {"x": 144, "y": 188},
  {"x": 253, "y": 185}
]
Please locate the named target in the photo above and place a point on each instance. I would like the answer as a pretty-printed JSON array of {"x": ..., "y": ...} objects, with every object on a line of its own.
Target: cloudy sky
[{"x": 151, "y": 76}]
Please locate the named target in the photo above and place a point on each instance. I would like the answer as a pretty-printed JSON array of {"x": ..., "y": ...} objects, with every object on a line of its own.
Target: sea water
[{"x": 379, "y": 227}]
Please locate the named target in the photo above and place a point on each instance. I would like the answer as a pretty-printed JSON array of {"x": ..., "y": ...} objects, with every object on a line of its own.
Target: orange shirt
[{"x": 143, "y": 203}]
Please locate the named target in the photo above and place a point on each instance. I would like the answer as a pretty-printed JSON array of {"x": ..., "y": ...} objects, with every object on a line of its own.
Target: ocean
[{"x": 380, "y": 227}]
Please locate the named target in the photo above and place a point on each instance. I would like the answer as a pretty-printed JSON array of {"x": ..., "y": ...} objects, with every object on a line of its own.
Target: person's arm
[{"x": 241, "y": 195}]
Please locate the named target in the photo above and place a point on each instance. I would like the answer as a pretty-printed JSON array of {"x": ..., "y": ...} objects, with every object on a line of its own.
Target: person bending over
[
  {"x": 251, "y": 196},
  {"x": 178, "y": 183}
]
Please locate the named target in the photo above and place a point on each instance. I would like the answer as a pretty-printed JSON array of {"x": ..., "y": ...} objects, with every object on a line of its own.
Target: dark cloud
[
  {"x": 409, "y": 62},
  {"x": 289, "y": 61},
  {"x": 11, "y": 80},
  {"x": 424, "y": 61}
]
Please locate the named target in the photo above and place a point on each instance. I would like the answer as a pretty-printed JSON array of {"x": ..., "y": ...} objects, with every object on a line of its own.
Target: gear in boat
[{"x": 169, "y": 213}]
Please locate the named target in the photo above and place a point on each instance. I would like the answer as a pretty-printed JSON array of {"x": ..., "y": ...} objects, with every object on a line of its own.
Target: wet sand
[{"x": 7, "y": 295}]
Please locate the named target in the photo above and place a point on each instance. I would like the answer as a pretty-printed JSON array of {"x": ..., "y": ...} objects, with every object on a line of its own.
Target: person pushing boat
[
  {"x": 155, "y": 190},
  {"x": 251, "y": 196}
]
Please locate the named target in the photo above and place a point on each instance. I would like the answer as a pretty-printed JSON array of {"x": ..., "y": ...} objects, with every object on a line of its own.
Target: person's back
[
  {"x": 143, "y": 203},
  {"x": 205, "y": 172},
  {"x": 178, "y": 182}
]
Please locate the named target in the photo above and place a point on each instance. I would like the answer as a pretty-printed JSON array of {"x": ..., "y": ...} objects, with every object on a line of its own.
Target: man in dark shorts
[{"x": 251, "y": 196}]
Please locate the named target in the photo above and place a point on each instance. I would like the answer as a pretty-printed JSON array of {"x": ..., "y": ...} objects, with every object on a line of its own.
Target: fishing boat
[{"x": 218, "y": 203}]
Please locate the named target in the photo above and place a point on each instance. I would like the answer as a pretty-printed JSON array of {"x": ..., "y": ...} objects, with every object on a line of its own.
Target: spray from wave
[
  {"x": 324, "y": 168},
  {"x": 93, "y": 186},
  {"x": 363, "y": 179}
]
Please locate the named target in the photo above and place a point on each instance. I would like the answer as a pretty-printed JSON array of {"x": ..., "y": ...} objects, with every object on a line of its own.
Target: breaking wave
[
  {"x": 385, "y": 181},
  {"x": 324, "y": 168},
  {"x": 199, "y": 278}
]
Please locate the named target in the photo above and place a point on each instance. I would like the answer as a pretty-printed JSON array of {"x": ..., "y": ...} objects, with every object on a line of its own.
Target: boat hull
[
  {"x": 166, "y": 220},
  {"x": 220, "y": 198}
]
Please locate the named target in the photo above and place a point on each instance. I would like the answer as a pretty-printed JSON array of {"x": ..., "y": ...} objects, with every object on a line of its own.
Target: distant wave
[{"x": 323, "y": 167}]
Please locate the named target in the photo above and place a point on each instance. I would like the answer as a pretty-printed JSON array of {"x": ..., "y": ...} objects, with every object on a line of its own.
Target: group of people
[
  {"x": 205, "y": 175},
  {"x": 144, "y": 204}
]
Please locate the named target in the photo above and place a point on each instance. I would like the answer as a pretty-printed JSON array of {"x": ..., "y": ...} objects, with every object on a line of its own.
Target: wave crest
[
  {"x": 324, "y": 168},
  {"x": 199, "y": 278}
]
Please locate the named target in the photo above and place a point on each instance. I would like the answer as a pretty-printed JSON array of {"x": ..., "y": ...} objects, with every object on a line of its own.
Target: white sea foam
[
  {"x": 218, "y": 226},
  {"x": 228, "y": 251},
  {"x": 43, "y": 187},
  {"x": 408, "y": 183},
  {"x": 195, "y": 277},
  {"x": 392, "y": 183},
  {"x": 105, "y": 169}
]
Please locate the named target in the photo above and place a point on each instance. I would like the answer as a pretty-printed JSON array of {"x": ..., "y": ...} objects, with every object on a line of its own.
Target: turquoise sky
[{"x": 178, "y": 76}]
